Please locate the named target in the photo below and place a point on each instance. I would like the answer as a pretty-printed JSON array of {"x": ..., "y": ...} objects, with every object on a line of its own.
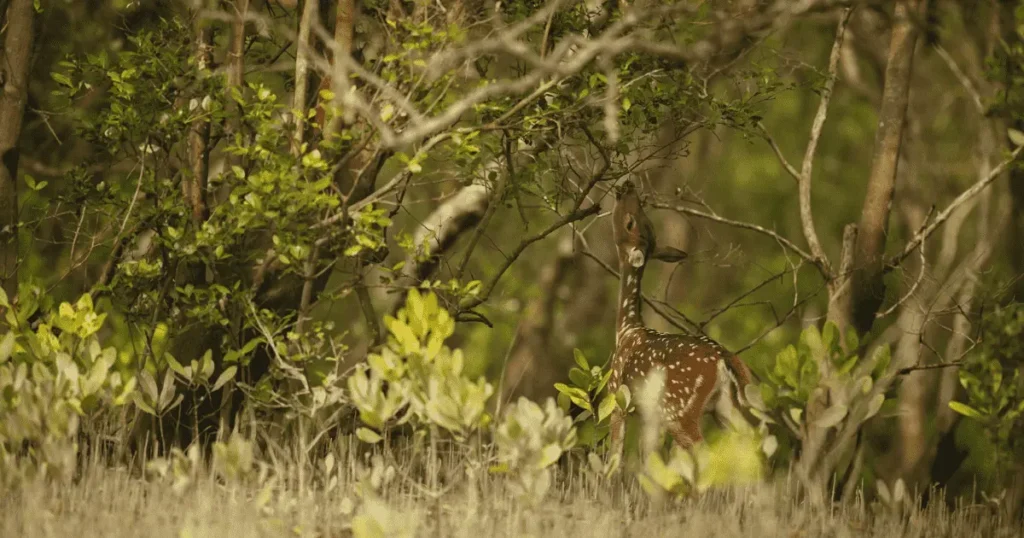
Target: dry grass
[{"x": 110, "y": 502}]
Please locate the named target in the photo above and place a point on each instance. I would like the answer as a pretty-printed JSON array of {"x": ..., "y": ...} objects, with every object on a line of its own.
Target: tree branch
[
  {"x": 580, "y": 214},
  {"x": 806, "y": 215},
  {"x": 944, "y": 215},
  {"x": 655, "y": 305},
  {"x": 745, "y": 225},
  {"x": 778, "y": 153}
]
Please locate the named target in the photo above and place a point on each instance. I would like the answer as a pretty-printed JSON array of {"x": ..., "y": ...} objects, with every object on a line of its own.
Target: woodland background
[{"x": 212, "y": 213}]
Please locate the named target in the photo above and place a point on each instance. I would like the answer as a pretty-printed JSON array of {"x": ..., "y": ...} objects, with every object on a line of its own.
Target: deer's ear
[{"x": 668, "y": 254}]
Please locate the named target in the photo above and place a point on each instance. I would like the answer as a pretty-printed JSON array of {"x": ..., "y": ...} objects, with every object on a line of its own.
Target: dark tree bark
[{"x": 14, "y": 70}]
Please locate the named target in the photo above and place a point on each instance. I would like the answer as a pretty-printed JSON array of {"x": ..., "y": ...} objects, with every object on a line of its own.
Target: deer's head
[{"x": 634, "y": 233}]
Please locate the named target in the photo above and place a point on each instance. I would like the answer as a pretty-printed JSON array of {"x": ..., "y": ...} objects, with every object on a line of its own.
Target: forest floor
[{"x": 109, "y": 502}]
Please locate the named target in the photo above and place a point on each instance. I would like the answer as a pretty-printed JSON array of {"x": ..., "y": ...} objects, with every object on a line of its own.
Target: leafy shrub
[
  {"x": 416, "y": 379},
  {"x": 993, "y": 384},
  {"x": 52, "y": 378},
  {"x": 796, "y": 381},
  {"x": 529, "y": 440}
]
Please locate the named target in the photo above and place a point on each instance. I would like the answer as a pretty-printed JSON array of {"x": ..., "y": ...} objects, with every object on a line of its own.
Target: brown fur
[{"x": 700, "y": 374}]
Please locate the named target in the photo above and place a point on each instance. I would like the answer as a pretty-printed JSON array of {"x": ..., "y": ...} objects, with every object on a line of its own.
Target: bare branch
[
  {"x": 740, "y": 224},
  {"x": 659, "y": 308},
  {"x": 943, "y": 215},
  {"x": 806, "y": 215},
  {"x": 962, "y": 77},
  {"x": 199, "y": 133},
  {"x": 748, "y": 293},
  {"x": 310, "y": 14},
  {"x": 778, "y": 153},
  {"x": 488, "y": 287},
  {"x": 920, "y": 274}
]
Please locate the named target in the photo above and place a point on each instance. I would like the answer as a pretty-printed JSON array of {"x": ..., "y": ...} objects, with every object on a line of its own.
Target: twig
[
  {"x": 962, "y": 77},
  {"x": 740, "y": 224},
  {"x": 472, "y": 302},
  {"x": 747, "y": 293},
  {"x": 909, "y": 369},
  {"x": 658, "y": 308},
  {"x": 920, "y": 274},
  {"x": 943, "y": 215},
  {"x": 778, "y": 153}
]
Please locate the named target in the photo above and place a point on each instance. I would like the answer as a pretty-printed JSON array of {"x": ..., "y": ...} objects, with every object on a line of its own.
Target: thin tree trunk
[
  {"x": 14, "y": 71},
  {"x": 199, "y": 135},
  {"x": 858, "y": 304},
  {"x": 303, "y": 44}
]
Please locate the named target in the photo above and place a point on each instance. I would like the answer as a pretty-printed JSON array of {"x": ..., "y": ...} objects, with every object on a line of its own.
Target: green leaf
[
  {"x": 64, "y": 80},
  {"x": 581, "y": 360},
  {"x": 604, "y": 410},
  {"x": 874, "y": 405},
  {"x": 1016, "y": 137},
  {"x": 227, "y": 375},
  {"x": 752, "y": 393},
  {"x": 576, "y": 394},
  {"x": 623, "y": 397},
  {"x": 882, "y": 357},
  {"x": 604, "y": 381},
  {"x": 369, "y": 436},
  {"x": 852, "y": 341},
  {"x": 830, "y": 335},
  {"x": 549, "y": 455},
  {"x": 177, "y": 367},
  {"x": 965, "y": 409},
  {"x": 579, "y": 378},
  {"x": 7, "y": 347}
]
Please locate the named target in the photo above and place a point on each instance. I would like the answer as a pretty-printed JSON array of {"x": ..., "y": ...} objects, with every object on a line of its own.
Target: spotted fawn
[{"x": 699, "y": 373}]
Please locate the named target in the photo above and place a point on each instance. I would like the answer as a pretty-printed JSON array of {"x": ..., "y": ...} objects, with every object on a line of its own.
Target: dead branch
[
  {"x": 917, "y": 281},
  {"x": 962, "y": 77}
]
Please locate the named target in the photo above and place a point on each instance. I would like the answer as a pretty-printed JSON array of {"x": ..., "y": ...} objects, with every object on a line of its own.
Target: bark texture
[
  {"x": 14, "y": 69},
  {"x": 860, "y": 301}
]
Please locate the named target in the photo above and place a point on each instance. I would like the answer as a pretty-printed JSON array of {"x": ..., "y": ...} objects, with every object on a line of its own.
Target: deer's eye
[{"x": 630, "y": 224}]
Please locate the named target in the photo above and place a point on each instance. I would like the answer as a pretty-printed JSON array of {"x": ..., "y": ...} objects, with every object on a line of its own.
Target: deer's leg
[{"x": 686, "y": 431}]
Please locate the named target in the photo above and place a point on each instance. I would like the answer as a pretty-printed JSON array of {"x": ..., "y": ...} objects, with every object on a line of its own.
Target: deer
[{"x": 699, "y": 372}]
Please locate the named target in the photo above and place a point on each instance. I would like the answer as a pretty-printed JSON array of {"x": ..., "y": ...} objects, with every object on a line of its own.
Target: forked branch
[
  {"x": 807, "y": 168},
  {"x": 944, "y": 215}
]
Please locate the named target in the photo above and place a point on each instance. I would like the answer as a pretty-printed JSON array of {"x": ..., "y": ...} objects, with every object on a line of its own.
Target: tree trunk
[
  {"x": 533, "y": 367},
  {"x": 14, "y": 71},
  {"x": 857, "y": 304}
]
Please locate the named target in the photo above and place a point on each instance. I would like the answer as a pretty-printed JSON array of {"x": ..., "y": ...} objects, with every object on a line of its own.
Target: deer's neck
[{"x": 629, "y": 299}]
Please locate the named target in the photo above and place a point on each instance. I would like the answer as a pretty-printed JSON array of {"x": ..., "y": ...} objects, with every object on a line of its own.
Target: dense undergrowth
[{"x": 431, "y": 456}]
